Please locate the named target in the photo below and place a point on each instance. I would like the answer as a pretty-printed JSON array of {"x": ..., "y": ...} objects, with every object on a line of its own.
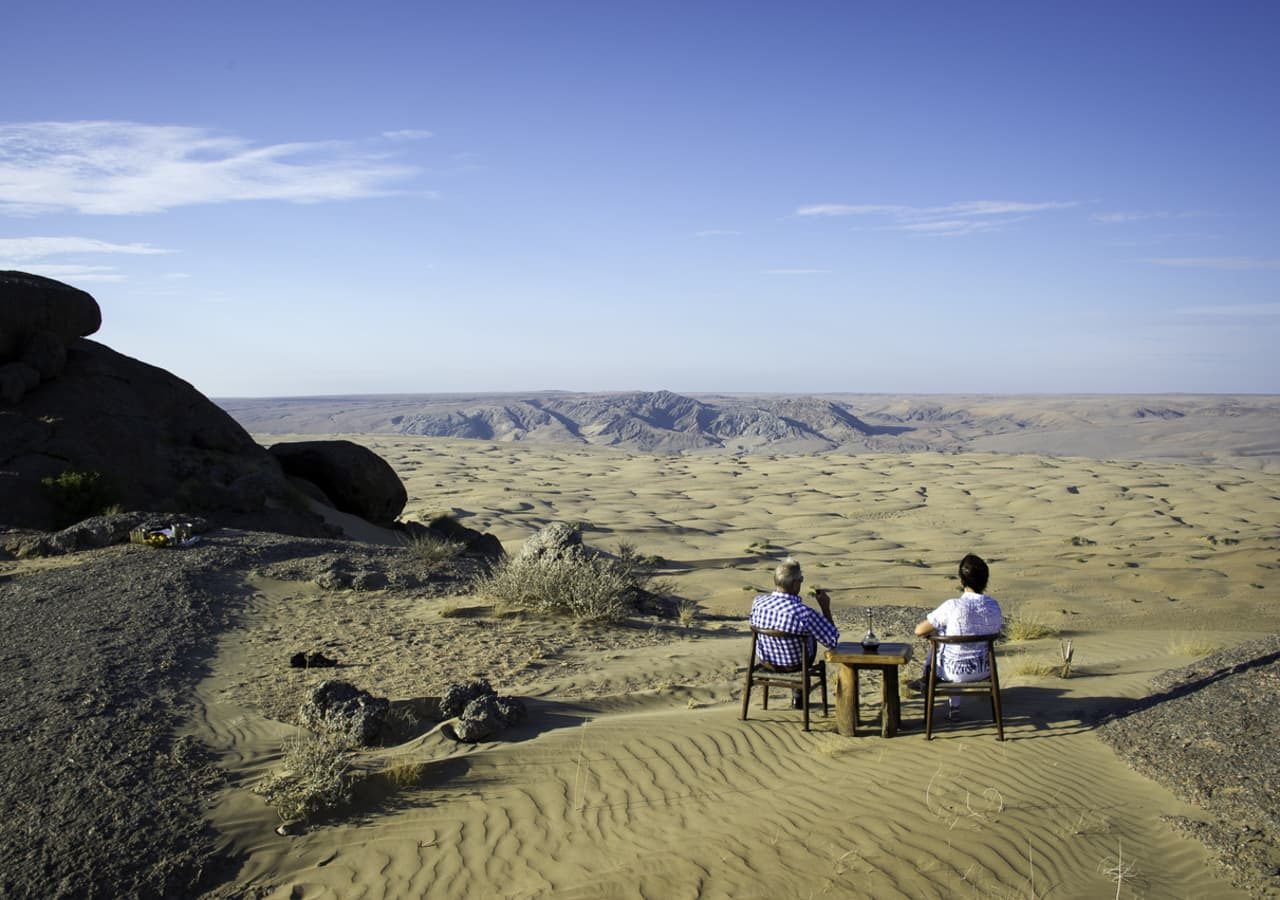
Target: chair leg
[
  {"x": 928, "y": 708},
  {"x": 995, "y": 699},
  {"x": 746, "y": 695},
  {"x": 824, "y": 690},
  {"x": 764, "y": 697}
]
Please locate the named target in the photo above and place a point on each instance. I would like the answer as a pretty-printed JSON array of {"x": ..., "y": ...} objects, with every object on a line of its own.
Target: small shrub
[
  {"x": 313, "y": 772},
  {"x": 77, "y": 495},
  {"x": 432, "y": 550},
  {"x": 1024, "y": 625},
  {"x": 687, "y": 612}
]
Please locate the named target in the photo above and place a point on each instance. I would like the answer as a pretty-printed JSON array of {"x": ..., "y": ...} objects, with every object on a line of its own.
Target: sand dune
[{"x": 634, "y": 776}]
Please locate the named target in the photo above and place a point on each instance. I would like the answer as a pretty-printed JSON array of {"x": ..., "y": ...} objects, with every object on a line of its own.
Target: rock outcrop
[
  {"x": 84, "y": 429},
  {"x": 354, "y": 478}
]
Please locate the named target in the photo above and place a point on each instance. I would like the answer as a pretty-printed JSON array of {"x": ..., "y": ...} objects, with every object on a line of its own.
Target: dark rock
[
  {"x": 476, "y": 543},
  {"x": 313, "y": 660},
  {"x": 485, "y": 716},
  {"x": 364, "y": 712},
  {"x": 1072, "y": 489},
  {"x": 31, "y": 303},
  {"x": 356, "y": 479},
  {"x": 16, "y": 379},
  {"x": 457, "y": 696},
  {"x": 45, "y": 352}
]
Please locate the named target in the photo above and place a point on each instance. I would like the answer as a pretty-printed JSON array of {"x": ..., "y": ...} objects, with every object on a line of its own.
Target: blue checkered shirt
[{"x": 787, "y": 612}]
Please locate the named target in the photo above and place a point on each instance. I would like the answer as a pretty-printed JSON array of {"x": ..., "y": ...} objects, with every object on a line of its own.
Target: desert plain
[{"x": 634, "y": 775}]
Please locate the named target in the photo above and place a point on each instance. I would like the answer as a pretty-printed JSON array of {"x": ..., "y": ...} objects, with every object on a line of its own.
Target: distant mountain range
[{"x": 1242, "y": 430}]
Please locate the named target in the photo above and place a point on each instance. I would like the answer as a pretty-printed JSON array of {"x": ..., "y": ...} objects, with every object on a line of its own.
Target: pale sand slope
[{"x": 635, "y": 777}]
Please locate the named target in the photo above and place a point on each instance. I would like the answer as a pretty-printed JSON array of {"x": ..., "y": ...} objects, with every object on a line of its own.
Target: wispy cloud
[
  {"x": 407, "y": 134},
  {"x": 1125, "y": 217},
  {"x": 27, "y": 248},
  {"x": 1215, "y": 262},
  {"x": 118, "y": 168},
  {"x": 950, "y": 220},
  {"x": 1240, "y": 310},
  {"x": 796, "y": 271}
]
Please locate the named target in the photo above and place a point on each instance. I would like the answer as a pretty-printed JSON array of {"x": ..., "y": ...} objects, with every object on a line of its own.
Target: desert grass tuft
[
  {"x": 1196, "y": 644},
  {"x": 687, "y": 612},
  {"x": 1022, "y": 664},
  {"x": 1025, "y": 625},
  {"x": 432, "y": 550}
]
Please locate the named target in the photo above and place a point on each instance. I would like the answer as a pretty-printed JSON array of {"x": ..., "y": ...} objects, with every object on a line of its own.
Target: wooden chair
[
  {"x": 989, "y": 685},
  {"x": 804, "y": 680}
]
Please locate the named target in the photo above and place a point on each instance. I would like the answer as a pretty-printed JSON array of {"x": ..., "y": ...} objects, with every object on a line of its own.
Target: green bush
[{"x": 76, "y": 496}]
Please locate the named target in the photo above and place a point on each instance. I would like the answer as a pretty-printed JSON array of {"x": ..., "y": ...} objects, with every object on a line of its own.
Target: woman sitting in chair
[{"x": 973, "y": 612}]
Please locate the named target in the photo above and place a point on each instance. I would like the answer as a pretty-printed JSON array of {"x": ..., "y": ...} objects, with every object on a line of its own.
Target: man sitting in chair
[
  {"x": 973, "y": 612},
  {"x": 783, "y": 610}
]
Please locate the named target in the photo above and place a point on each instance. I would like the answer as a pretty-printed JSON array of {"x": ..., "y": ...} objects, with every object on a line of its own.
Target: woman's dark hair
[{"x": 973, "y": 573}]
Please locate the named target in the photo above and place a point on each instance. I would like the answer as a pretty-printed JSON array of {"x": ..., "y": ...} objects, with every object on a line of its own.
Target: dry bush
[
  {"x": 312, "y": 776},
  {"x": 580, "y": 587},
  {"x": 1023, "y": 664},
  {"x": 432, "y": 550},
  {"x": 1025, "y": 625}
]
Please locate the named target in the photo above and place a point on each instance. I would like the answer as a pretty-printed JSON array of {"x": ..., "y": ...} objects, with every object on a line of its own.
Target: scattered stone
[
  {"x": 364, "y": 712},
  {"x": 313, "y": 660},
  {"x": 1072, "y": 489}
]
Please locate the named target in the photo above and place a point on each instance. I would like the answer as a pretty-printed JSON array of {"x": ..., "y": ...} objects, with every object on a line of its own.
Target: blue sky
[{"x": 306, "y": 198}]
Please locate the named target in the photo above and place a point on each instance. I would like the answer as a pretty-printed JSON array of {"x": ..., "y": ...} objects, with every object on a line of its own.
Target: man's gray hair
[{"x": 787, "y": 575}]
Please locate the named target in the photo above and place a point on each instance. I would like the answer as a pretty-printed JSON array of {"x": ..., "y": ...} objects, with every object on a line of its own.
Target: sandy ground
[{"x": 634, "y": 776}]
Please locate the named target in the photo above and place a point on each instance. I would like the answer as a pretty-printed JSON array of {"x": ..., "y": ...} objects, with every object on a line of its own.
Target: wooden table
[{"x": 851, "y": 658}]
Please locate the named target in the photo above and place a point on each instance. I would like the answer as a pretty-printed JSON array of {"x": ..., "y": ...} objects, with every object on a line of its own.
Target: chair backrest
[
  {"x": 938, "y": 641},
  {"x": 756, "y": 634}
]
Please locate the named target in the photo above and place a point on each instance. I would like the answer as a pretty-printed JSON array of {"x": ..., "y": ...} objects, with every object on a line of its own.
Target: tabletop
[{"x": 885, "y": 655}]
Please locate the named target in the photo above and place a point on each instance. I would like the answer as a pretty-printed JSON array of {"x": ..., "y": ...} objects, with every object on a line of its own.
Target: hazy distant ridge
[{"x": 1242, "y": 430}]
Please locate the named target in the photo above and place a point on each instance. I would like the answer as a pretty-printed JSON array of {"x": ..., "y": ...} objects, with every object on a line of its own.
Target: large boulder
[
  {"x": 110, "y": 429},
  {"x": 356, "y": 479},
  {"x": 31, "y": 304}
]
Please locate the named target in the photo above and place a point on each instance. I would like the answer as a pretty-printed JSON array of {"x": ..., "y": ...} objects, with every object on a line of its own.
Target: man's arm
[{"x": 824, "y": 629}]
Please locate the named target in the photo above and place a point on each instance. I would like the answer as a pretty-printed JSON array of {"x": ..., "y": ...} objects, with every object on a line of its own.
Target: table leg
[
  {"x": 891, "y": 708},
  {"x": 846, "y": 700}
]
